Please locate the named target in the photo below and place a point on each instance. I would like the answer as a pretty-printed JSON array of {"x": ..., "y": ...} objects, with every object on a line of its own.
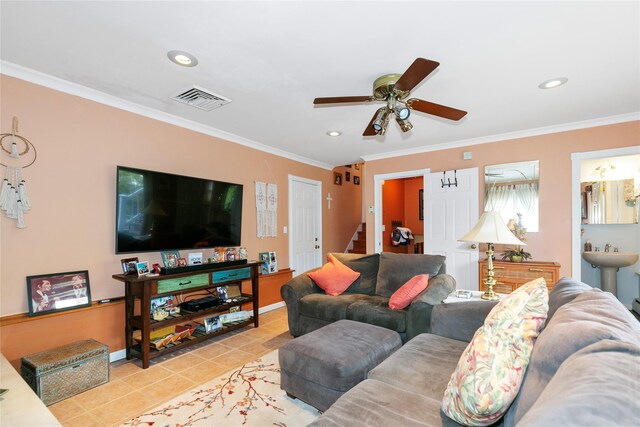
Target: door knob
[{"x": 473, "y": 246}]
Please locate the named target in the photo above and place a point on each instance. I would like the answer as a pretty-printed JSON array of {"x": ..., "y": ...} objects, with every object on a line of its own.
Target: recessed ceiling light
[
  {"x": 334, "y": 133},
  {"x": 182, "y": 58},
  {"x": 551, "y": 83}
]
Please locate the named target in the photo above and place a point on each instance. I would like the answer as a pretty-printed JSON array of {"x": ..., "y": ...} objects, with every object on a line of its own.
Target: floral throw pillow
[{"x": 490, "y": 371}]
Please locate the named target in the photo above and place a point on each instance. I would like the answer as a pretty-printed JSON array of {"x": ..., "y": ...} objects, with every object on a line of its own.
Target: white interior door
[
  {"x": 305, "y": 224},
  {"x": 450, "y": 212}
]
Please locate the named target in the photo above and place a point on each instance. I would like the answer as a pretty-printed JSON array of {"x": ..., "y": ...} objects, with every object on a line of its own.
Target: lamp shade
[{"x": 491, "y": 229}]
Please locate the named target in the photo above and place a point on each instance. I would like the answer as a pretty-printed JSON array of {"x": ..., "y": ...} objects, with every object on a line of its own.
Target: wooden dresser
[{"x": 511, "y": 275}]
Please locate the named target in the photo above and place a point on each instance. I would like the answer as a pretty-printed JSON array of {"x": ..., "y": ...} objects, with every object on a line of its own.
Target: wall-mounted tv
[{"x": 158, "y": 211}]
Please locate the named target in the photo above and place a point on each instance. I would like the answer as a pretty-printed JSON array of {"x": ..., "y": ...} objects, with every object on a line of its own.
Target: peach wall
[
  {"x": 72, "y": 187},
  {"x": 392, "y": 210},
  {"x": 553, "y": 241}
]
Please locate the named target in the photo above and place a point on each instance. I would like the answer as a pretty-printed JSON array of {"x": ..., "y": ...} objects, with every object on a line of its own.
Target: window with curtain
[{"x": 513, "y": 199}]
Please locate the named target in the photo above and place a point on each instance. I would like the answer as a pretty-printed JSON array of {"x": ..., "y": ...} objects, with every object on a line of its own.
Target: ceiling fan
[{"x": 394, "y": 89}]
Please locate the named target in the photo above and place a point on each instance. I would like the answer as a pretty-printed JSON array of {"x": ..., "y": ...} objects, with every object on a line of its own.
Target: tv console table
[{"x": 145, "y": 288}]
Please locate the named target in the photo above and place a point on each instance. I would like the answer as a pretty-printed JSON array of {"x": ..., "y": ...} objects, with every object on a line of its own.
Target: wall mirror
[
  {"x": 512, "y": 190},
  {"x": 610, "y": 189}
]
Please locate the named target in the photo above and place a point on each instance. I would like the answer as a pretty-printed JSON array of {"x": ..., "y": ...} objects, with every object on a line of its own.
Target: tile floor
[{"x": 132, "y": 390}]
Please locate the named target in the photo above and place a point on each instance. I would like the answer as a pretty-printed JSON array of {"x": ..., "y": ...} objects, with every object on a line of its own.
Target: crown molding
[
  {"x": 65, "y": 86},
  {"x": 622, "y": 118}
]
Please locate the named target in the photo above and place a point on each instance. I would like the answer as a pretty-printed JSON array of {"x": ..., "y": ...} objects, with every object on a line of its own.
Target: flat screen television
[{"x": 158, "y": 211}]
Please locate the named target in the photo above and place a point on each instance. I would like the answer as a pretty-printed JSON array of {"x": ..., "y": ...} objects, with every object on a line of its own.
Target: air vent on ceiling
[{"x": 202, "y": 99}]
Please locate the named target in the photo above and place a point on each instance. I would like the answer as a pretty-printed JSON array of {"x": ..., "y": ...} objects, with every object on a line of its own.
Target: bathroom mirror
[
  {"x": 609, "y": 202},
  {"x": 610, "y": 189},
  {"x": 512, "y": 190}
]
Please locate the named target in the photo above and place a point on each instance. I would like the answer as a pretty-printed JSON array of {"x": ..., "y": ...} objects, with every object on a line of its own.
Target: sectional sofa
[{"x": 584, "y": 369}]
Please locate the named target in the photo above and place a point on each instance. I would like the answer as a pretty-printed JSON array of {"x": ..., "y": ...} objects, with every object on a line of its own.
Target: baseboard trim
[
  {"x": 121, "y": 354},
  {"x": 117, "y": 355}
]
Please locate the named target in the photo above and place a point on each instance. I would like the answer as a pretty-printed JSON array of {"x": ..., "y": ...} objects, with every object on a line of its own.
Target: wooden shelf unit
[
  {"x": 144, "y": 289},
  {"x": 511, "y": 275}
]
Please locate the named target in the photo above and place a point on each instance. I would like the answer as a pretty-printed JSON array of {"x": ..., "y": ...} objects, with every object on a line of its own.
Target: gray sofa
[
  {"x": 367, "y": 299},
  {"x": 584, "y": 368}
]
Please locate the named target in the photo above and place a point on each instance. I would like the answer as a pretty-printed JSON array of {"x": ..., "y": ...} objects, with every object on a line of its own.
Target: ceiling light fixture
[
  {"x": 334, "y": 133},
  {"x": 553, "y": 83},
  {"x": 402, "y": 112},
  {"x": 381, "y": 121},
  {"x": 182, "y": 58},
  {"x": 405, "y": 125}
]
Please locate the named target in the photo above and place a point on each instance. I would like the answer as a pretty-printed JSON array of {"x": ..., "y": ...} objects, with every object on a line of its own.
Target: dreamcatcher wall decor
[{"x": 14, "y": 201}]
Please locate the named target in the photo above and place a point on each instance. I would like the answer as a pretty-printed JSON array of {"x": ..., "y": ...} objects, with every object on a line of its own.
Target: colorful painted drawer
[
  {"x": 511, "y": 275},
  {"x": 230, "y": 275},
  {"x": 182, "y": 283},
  {"x": 65, "y": 371}
]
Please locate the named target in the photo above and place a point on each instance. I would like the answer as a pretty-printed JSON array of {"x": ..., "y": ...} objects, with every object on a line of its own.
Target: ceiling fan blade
[
  {"x": 435, "y": 109},
  {"x": 420, "y": 69},
  {"x": 369, "y": 130},
  {"x": 341, "y": 99}
]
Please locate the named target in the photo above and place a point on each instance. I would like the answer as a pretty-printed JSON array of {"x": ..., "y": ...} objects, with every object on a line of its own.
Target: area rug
[{"x": 246, "y": 396}]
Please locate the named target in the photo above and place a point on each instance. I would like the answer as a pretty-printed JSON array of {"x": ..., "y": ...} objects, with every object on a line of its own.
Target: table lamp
[{"x": 490, "y": 229}]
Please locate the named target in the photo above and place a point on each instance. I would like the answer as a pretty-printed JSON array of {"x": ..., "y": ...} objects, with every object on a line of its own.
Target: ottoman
[{"x": 322, "y": 365}]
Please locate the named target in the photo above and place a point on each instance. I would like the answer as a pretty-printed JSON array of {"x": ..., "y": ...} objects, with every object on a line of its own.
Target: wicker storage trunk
[{"x": 66, "y": 371}]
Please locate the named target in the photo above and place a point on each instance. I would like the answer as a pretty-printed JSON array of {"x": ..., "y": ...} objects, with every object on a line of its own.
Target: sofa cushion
[
  {"x": 396, "y": 269},
  {"x": 407, "y": 292},
  {"x": 591, "y": 317},
  {"x": 564, "y": 291},
  {"x": 334, "y": 277},
  {"x": 367, "y": 266},
  {"x": 596, "y": 386},
  {"x": 490, "y": 370},
  {"x": 375, "y": 311},
  {"x": 374, "y": 403},
  {"x": 327, "y": 307},
  {"x": 423, "y": 365}
]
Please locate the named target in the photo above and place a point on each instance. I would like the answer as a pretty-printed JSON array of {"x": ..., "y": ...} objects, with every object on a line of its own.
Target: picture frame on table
[
  {"x": 142, "y": 268},
  {"x": 129, "y": 265},
  {"x": 50, "y": 293},
  {"x": 170, "y": 258},
  {"x": 182, "y": 262}
]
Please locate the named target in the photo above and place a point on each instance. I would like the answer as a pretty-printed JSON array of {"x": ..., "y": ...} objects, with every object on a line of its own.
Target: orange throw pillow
[
  {"x": 407, "y": 292},
  {"x": 334, "y": 277}
]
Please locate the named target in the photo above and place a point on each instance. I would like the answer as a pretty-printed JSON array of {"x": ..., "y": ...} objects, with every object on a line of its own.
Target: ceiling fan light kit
[{"x": 394, "y": 89}]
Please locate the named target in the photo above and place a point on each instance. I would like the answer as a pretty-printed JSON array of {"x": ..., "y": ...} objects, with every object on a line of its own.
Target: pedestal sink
[{"x": 609, "y": 263}]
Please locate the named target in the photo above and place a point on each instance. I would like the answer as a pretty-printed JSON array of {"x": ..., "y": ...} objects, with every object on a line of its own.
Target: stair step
[{"x": 359, "y": 244}]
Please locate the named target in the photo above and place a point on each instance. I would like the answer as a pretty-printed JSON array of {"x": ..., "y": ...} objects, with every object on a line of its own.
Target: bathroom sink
[{"x": 610, "y": 259}]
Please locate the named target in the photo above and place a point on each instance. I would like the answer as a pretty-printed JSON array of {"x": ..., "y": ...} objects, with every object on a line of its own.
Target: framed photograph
[
  {"x": 347, "y": 176},
  {"x": 356, "y": 180},
  {"x": 49, "y": 293},
  {"x": 195, "y": 258},
  {"x": 347, "y": 166},
  {"x": 129, "y": 265},
  {"x": 421, "y": 205},
  {"x": 142, "y": 268},
  {"x": 337, "y": 178},
  {"x": 212, "y": 324},
  {"x": 356, "y": 166},
  {"x": 222, "y": 292},
  {"x": 170, "y": 258},
  {"x": 182, "y": 262},
  {"x": 156, "y": 268}
]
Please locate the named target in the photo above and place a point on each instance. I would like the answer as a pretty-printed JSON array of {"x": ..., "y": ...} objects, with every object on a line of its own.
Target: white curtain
[{"x": 512, "y": 199}]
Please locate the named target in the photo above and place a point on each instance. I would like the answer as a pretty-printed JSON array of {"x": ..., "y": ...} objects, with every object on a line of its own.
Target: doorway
[
  {"x": 305, "y": 224},
  {"x": 448, "y": 212},
  {"x": 604, "y": 167}
]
